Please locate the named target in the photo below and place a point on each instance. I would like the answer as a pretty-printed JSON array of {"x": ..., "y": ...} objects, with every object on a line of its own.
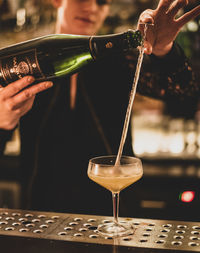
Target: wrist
[{"x": 162, "y": 52}]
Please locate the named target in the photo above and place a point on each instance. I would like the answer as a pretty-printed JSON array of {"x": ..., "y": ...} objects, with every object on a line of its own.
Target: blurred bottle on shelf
[{"x": 26, "y": 15}]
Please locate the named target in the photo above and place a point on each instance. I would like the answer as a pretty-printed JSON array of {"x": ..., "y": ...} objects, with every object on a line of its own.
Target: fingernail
[
  {"x": 30, "y": 79},
  {"x": 48, "y": 84}
]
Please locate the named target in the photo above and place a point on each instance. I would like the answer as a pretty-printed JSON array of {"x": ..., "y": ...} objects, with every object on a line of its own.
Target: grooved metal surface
[{"x": 148, "y": 233}]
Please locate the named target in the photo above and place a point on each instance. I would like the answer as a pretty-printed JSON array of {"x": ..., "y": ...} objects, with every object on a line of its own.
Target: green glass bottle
[{"x": 57, "y": 55}]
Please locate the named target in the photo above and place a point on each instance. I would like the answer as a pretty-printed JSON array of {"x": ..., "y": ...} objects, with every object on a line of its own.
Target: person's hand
[
  {"x": 16, "y": 99},
  {"x": 166, "y": 25}
]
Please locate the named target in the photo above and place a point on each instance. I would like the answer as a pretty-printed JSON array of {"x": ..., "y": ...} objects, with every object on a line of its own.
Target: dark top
[{"x": 57, "y": 142}]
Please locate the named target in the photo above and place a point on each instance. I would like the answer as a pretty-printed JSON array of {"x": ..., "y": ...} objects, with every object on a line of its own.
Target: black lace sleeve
[{"x": 168, "y": 78}]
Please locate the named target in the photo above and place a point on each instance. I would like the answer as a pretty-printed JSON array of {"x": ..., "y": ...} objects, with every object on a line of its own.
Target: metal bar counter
[{"x": 31, "y": 231}]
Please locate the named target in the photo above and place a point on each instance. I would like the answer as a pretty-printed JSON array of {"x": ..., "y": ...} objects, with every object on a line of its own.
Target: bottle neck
[{"x": 101, "y": 46}]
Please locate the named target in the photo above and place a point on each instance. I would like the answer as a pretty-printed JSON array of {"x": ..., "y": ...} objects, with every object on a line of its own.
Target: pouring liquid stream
[{"x": 131, "y": 99}]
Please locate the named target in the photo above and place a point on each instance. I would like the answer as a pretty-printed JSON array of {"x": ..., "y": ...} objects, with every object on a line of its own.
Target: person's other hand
[
  {"x": 166, "y": 25},
  {"x": 16, "y": 99}
]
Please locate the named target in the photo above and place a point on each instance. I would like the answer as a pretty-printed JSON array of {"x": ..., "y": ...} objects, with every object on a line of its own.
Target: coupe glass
[{"x": 115, "y": 178}]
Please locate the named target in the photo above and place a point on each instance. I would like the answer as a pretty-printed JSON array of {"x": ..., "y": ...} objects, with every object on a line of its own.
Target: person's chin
[{"x": 85, "y": 30}]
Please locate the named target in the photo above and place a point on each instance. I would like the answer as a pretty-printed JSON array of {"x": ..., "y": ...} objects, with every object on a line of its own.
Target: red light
[{"x": 187, "y": 196}]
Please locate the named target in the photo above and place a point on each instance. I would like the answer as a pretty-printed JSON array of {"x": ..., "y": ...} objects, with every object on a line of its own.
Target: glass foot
[{"x": 116, "y": 229}]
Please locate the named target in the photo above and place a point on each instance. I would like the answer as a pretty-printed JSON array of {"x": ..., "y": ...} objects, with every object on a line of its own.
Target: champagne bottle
[{"x": 57, "y": 55}]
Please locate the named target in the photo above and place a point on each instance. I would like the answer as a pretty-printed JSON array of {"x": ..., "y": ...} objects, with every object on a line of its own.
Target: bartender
[{"x": 81, "y": 116}]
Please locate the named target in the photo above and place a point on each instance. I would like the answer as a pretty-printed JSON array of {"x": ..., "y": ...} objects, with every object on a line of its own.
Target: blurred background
[{"x": 167, "y": 140}]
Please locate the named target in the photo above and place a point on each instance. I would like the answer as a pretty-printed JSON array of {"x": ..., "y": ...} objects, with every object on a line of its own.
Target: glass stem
[{"x": 115, "y": 198}]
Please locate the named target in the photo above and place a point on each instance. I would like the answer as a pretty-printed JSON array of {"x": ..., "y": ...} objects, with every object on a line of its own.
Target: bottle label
[{"x": 14, "y": 67}]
